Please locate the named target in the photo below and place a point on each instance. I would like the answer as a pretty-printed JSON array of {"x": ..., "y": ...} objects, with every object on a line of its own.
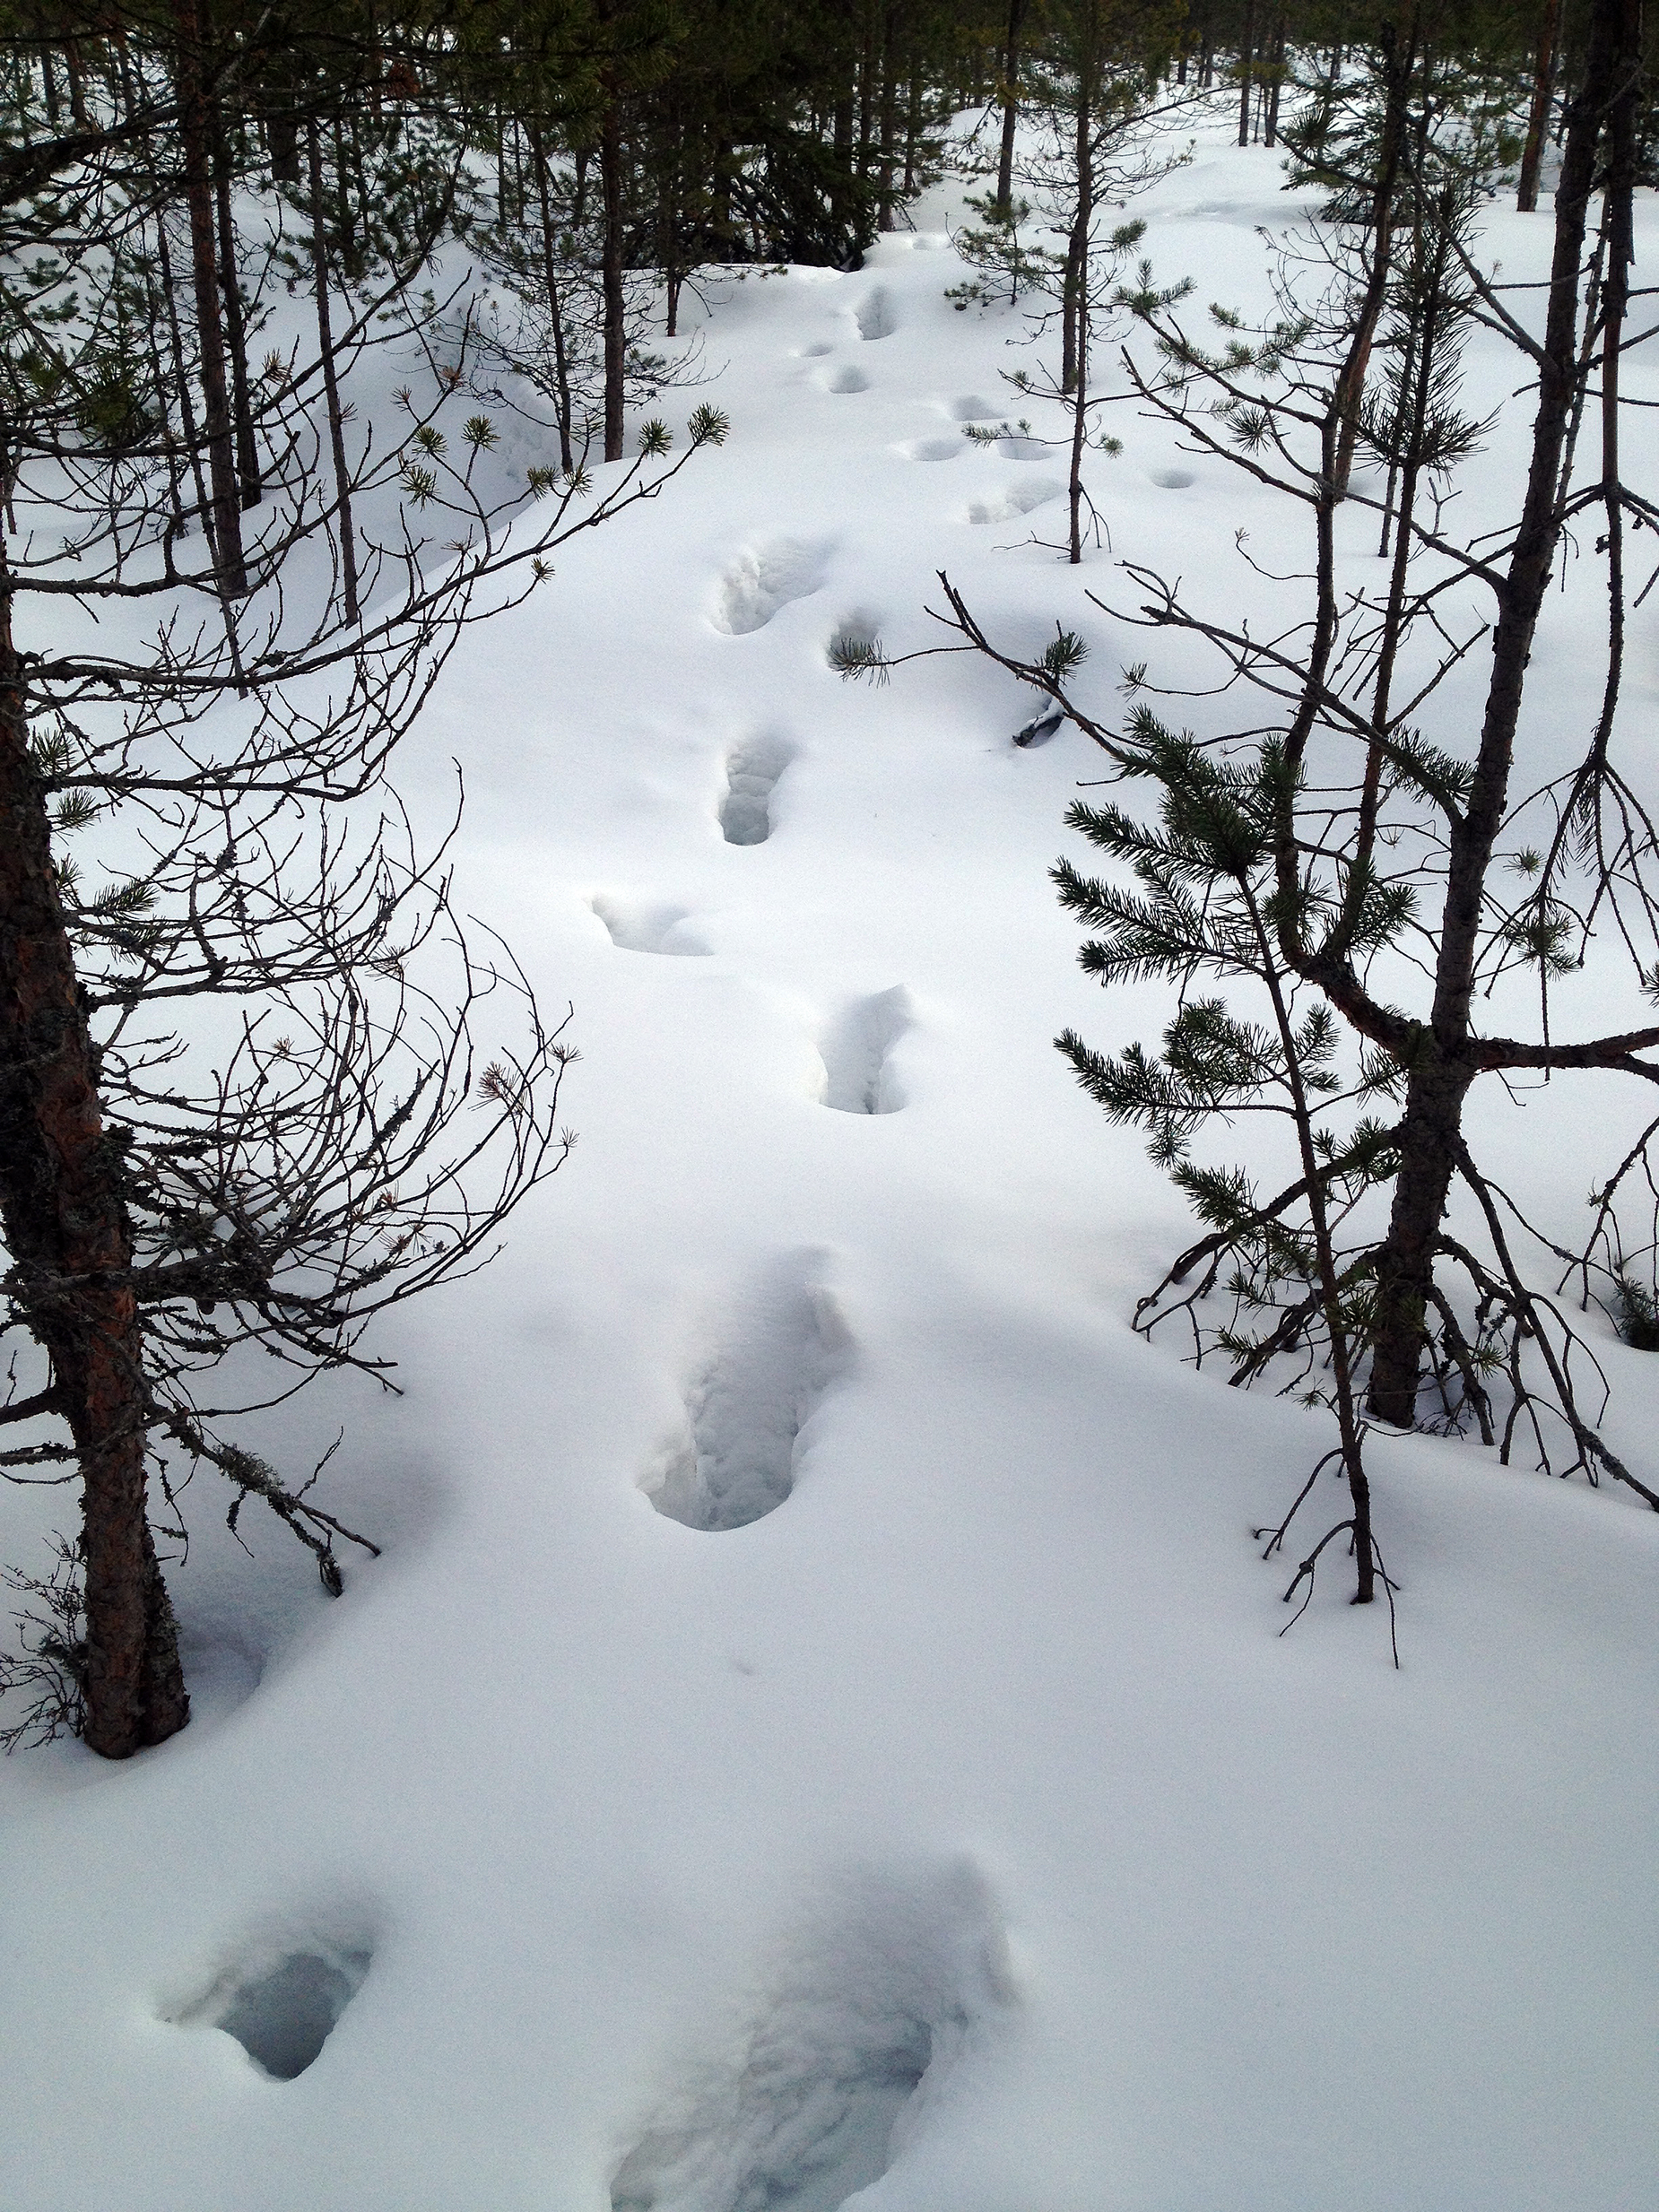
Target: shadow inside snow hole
[
  {"x": 903, "y": 1978},
  {"x": 284, "y": 2014},
  {"x": 781, "y": 1347}
]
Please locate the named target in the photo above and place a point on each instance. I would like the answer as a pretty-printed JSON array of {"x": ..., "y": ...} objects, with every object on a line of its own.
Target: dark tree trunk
[
  {"x": 69, "y": 1246},
  {"x": 1275, "y": 55},
  {"x": 555, "y": 309},
  {"x": 889, "y": 118},
  {"x": 615, "y": 341},
  {"x": 331, "y": 384},
  {"x": 1401, "y": 61},
  {"x": 1446, "y": 1062},
  {"x": 1247, "y": 54},
  {"x": 193, "y": 144},
  {"x": 1538, "y": 122},
  {"x": 1011, "y": 107},
  {"x": 236, "y": 329}
]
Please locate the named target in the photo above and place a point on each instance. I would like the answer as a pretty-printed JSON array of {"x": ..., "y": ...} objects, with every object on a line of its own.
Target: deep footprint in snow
[
  {"x": 764, "y": 578},
  {"x": 751, "y": 772},
  {"x": 904, "y": 1976},
  {"x": 875, "y": 316},
  {"x": 282, "y": 2007},
  {"x": 971, "y": 408},
  {"x": 642, "y": 925},
  {"x": 1173, "y": 480},
  {"x": 1017, "y": 500},
  {"x": 856, "y": 1051},
  {"x": 846, "y": 380},
  {"x": 933, "y": 448},
  {"x": 780, "y": 1348}
]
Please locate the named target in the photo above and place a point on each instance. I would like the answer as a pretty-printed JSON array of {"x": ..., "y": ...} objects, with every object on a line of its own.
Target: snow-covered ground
[{"x": 820, "y": 1721}]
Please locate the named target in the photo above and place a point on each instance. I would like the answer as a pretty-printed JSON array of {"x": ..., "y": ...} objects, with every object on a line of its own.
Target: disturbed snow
[{"x": 819, "y": 1723}]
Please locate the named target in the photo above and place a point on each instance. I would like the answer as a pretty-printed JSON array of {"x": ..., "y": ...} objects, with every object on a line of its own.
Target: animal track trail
[
  {"x": 875, "y": 314},
  {"x": 933, "y": 448},
  {"x": 971, "y": 408},
  {"x": 848, "y": 379},
  {"x": 751, "y": 772},
  {"x": 643, "y": 925},
  {"x": 857, "y": 1048},
  {"x": 764, "y": 578},
  {"x": 780, "y": 1348},
  {"x": 900, "y": 1979}
]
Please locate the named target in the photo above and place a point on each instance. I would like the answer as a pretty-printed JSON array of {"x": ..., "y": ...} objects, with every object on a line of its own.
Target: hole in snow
[
  {"x": 761, "y": 580},
  {"x": 284, "y": 2012},
  {"x": 1017, "y": 500},
  {"x": 933, "y": 448},
  {"x": 970, "y": 408},
  {"x": 1173, "y": 480},
  {"x": 848, "y": 379},
  {"x": 875, "y": 314},
  {"x": 751, "y": 769},
  {"x": 1023, "y": 449},
  {"x": 637, "y": 926},
  {"x": 857, "y": 1049},
  {"x": 815, "y": 352},
  {"x": 781, "y": 1347},
  {"x": 903, "y": 1978}
]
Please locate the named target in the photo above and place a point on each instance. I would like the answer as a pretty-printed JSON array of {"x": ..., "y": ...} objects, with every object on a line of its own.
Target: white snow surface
[{"x": 819, "y": 1723}]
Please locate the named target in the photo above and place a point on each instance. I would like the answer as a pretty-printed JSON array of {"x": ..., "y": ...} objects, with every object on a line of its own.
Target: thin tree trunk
[
  {"x": 193, "y": 135},
  {"x": 615, "y": 340},
  {"x": 67, "y": 1237},
  {"x": 331, "y": 385},
  {"x": 1275, "y": 55},
  {"x": 1247, "y": 54},
  {"x": 888, "y": 115},
  {"x": 1538, "y": 122},
  {"x": 236, "y": 331},
  {"x": 1078, "y": 268},
  {"x": 1011, "y": 109},
  {"x": 1401, "y": 61},
  {"x": 555, "y": 311},
  {"x": 1439, "y": 1081}
]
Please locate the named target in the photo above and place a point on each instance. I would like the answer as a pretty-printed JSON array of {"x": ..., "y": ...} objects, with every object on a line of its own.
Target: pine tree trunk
[
  {"x": 1011, "y": 107},
  {"x": 1246, "y": 54},
  {"x": 331, "y": 385},
  {"x": 1077, "y": 269},
  {"x": 1537, "y": 126},
  {"x": 888, "y": 115},
  {"x": 236, "y": 330},
  {"x": 1430, "y": 1131},
  {"x": 1275, "y": 55},
  {"x": 615, "y": 343},
  {"x": 555, "y": 309},
  {"x": 1401, "y": 61},
  {"x": 193, "y": 136},
  {"x": 69, "y": 1246}
]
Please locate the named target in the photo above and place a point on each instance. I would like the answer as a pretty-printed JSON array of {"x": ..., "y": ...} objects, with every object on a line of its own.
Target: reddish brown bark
[{"x": 71, "y": 1256}]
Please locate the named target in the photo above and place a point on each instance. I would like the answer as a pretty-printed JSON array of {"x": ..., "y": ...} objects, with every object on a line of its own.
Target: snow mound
[
  {"x": 876, "y": 315},
  {"x": 1017, "y": 500},
  {"x": 764, "y": 578},
  {"x": 853, "y": 2044},
  {"x": 857, "y": 1052},
  {"x": 780, "y": 1347},
  {"x": 751, "y": 771},
  {"x": 645, "y": 925}
]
